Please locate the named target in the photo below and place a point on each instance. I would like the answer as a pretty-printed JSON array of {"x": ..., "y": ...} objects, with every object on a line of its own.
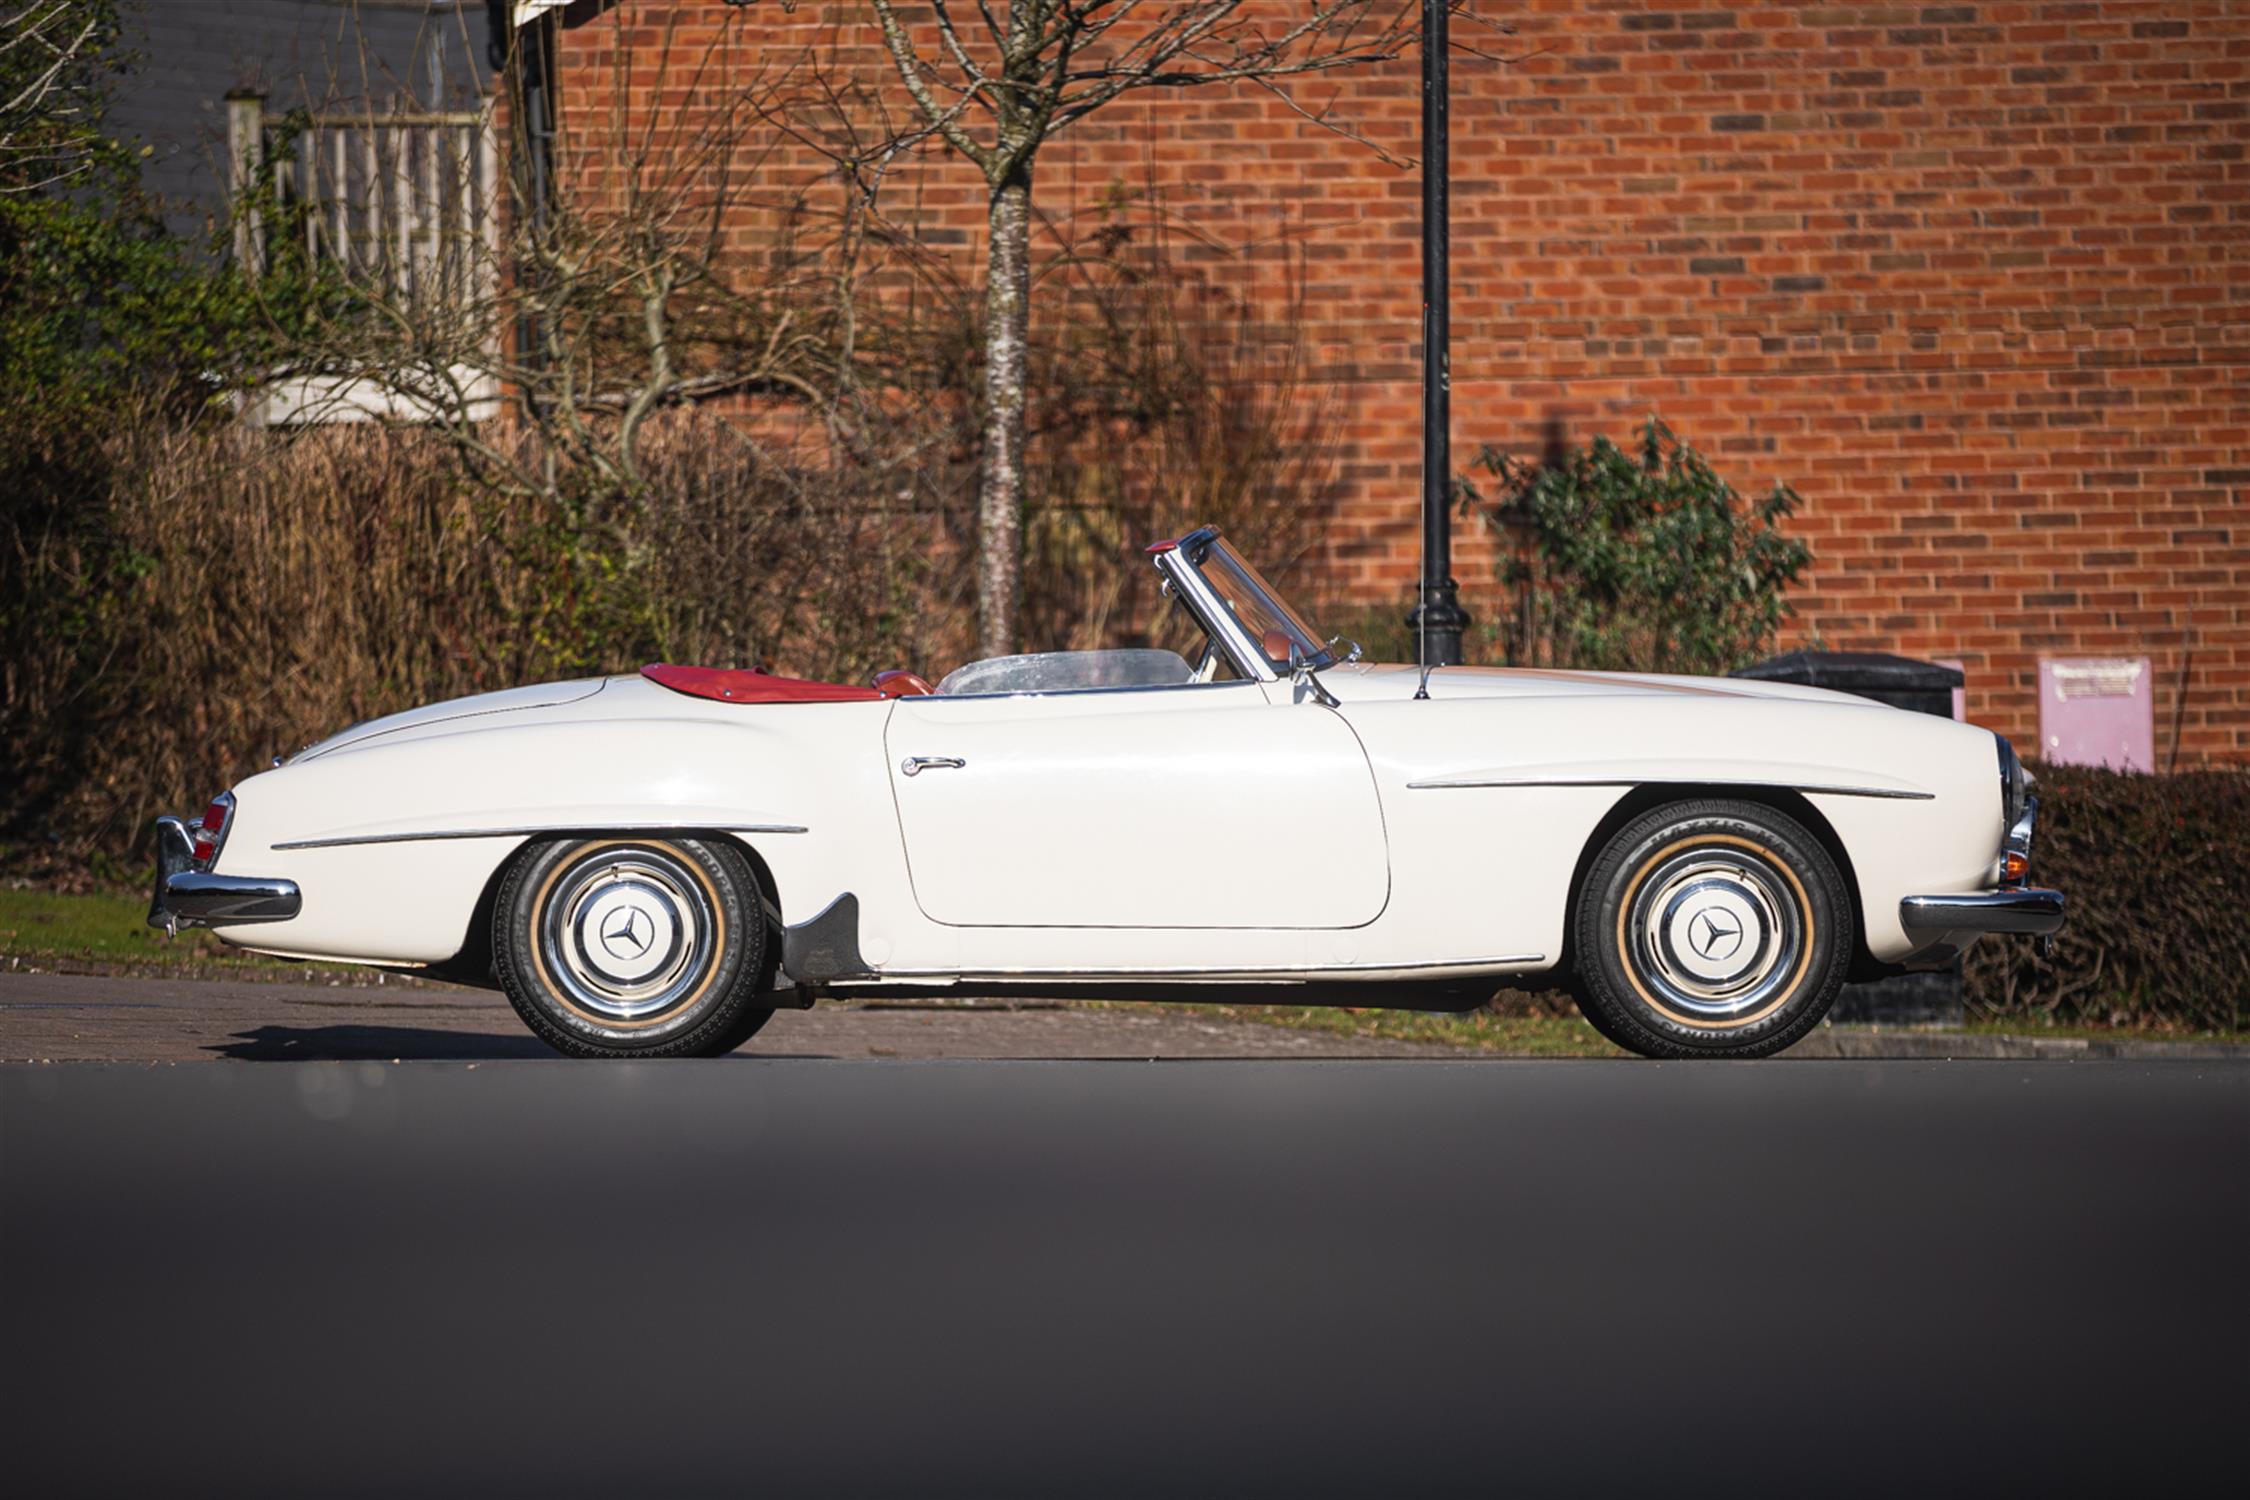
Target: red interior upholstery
[
  {"x": 748, "y": 685},
  {"x": 901, "y": 684}
]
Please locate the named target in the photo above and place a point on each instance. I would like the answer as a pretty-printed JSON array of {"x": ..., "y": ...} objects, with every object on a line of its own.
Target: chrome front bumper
[
  {"x": 1944, "y": 927},
  {"x": 188, "y": 897},
  {"x": 1968, "y": 915}
]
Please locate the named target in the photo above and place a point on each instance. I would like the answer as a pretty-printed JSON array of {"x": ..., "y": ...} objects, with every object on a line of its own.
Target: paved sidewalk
[
  {"x": 48, "y": 1017},
  {"x": 90, "y": 1018},
  {"x": 1873, "y": 1042}
]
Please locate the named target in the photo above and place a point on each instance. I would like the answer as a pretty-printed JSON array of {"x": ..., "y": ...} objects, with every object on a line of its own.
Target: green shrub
[
  {"x": 2155, "y": 868},
  {"x": 99, "y": 304},
  {"x": 235, "y": 593},
  {"x": 1645, "y": 561}
]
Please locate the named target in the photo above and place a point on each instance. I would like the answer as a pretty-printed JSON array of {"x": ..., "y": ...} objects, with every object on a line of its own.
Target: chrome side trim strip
[
  {"x": 508, "y": 833},
  {"x": 1222, "y": 971},
  {"x": 1794, "y": 786},
  {"x": 1166, "y": 687}
]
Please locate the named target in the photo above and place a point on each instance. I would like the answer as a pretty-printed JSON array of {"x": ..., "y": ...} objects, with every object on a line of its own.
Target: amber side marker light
[{"x": 2014, "y": 866}]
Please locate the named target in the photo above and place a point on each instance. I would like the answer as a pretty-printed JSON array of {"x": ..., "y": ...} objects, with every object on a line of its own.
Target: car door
[{"x": 1173, "y": 807}]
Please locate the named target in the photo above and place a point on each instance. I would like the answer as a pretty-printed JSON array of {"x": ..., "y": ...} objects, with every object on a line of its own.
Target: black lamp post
[{"x": 1437, "y": 619}]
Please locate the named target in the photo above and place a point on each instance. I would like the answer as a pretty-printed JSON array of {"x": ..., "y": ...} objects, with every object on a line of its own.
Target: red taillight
[{"x": 209, "y": 831}]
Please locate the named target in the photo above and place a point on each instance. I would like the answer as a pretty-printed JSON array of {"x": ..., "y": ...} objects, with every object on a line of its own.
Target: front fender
[{"x": 1914, "y": 800}]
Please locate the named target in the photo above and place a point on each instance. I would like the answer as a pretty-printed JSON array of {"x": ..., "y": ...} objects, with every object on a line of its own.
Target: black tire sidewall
[
  {"x": 748, "y": 1023},
  {"x": 730, "y": 975},
  {"x": 1607, "y": 987}
]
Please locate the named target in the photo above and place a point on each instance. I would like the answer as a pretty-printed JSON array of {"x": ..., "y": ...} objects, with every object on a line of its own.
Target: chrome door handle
[{"x": 915, "y": 765}]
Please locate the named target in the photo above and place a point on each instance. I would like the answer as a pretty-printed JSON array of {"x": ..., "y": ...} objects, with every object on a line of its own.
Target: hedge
[{"x": 2156, "y": 869}]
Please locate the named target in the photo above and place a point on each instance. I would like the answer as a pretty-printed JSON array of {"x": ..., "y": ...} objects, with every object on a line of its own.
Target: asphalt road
[{"x": 794, "y": 1275}]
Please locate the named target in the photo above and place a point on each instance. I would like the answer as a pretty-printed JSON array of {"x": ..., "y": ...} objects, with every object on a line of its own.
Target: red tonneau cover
[{"x": 748, "y": 685}]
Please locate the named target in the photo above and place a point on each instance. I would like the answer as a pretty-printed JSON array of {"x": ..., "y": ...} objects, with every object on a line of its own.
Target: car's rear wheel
[
  {"x": 1711, "y": 929},
  {"x": 632, "y": 947}
]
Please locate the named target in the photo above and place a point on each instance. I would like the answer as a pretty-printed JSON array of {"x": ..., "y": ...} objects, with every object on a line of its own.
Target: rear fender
[{"x": 396, "y": 846}]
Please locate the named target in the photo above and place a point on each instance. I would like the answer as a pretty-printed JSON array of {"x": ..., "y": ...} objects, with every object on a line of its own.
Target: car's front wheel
[
  {"x": 1711, "y": 929},
  {"x": 632, "y": 947}
]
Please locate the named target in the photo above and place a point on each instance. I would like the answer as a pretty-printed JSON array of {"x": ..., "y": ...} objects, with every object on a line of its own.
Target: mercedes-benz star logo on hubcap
[
  {"x": 1715, "y": 933},
  {"x": 627, "y": 933}
]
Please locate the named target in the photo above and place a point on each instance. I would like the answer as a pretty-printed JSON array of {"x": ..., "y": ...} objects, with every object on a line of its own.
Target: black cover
[
  {"x": 1868, "y": 673},
  {"x": 1921, "y": 687}
]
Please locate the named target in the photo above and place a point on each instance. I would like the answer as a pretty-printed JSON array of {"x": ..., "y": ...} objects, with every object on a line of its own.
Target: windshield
[{"x": 1263, "y": 613}]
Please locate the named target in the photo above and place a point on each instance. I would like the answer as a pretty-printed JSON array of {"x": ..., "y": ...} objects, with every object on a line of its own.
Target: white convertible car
[{"x": 650, "y": 865}]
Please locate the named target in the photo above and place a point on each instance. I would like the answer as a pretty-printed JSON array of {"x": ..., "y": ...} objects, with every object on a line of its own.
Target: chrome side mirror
[{"x": 1302, "y": 678}]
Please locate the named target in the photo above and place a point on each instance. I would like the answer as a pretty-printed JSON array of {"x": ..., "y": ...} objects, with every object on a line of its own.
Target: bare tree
[
  {"x": 53, "y": 56},
  {"x": 996, "y": 80},
  {"x": 579, "y": 302}
]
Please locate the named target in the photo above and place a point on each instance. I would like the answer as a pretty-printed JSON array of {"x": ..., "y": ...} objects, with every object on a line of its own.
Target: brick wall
[{"x": 1973, "y": 278}]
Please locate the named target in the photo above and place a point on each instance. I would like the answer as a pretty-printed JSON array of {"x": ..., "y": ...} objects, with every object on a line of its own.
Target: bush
[
  {"x": 2155, "y": 868},
  {"x": 226, "y": 594},
  {"x": 1641, "y": 562}
]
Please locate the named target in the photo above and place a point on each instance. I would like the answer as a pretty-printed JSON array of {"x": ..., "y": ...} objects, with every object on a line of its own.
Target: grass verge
[
  {"x": 48, "y": 929},
  {"x": 1476, "y": 1031}
]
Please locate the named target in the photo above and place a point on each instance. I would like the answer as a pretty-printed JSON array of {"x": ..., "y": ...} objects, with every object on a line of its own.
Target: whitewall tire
[
  {"x": 632, "y": 946},
  {"x": 1712, "y": 928}
]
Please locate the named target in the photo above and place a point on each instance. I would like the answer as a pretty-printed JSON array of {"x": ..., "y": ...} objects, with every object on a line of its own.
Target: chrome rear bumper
[{"x": 188, "y": 897}]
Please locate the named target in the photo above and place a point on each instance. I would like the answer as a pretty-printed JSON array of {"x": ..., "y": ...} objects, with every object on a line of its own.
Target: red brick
[{"x": 1969, "y": 277}]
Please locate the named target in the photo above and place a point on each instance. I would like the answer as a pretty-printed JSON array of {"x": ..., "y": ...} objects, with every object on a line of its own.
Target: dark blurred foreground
[{"x": 791, "y": 1276}]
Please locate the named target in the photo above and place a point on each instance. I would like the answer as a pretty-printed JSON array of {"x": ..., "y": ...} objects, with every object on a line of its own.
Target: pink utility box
[{"x": 2097, "y": 711}]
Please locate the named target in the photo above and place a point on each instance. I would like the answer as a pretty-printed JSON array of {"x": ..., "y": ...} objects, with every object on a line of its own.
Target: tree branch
[{"x": 946, "y": 122}]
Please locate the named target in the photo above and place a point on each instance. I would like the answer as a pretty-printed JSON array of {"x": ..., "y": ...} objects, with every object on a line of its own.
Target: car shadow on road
[
  {"x": 401, "y": 1043},
  {"x": 376, "y": 1043}
]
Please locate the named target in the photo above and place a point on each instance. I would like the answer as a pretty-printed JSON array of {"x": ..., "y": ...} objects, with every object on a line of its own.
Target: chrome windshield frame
[
  {"x": 1181, "y": 565},
  {"x": 1194, "y": 591}
]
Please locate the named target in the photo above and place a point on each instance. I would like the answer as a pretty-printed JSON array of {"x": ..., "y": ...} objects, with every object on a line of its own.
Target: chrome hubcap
[
  {"x": 627, "y": 930},
  {"x": 1716, "y": 932},
  {"x": 1712, "y": 930},
  {"x": 631, "y": 932}
]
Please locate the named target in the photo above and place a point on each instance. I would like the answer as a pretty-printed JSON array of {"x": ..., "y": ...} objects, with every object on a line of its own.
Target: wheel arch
[
  {"x": 1648, "y": 796},
  {"x": 473, "y": 963}
]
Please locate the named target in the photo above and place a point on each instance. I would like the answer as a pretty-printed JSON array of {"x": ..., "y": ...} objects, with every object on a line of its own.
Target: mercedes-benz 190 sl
[{"x": 651, "y": 864}]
